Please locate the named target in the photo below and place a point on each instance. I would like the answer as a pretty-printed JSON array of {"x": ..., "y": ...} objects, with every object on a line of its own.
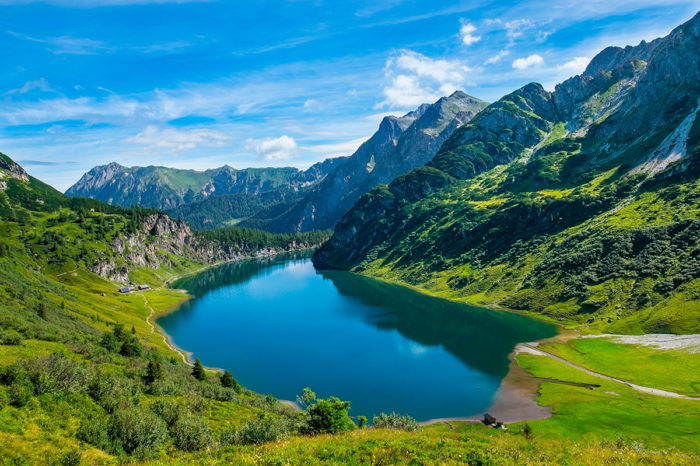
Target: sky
[{"x": 200, "y": 84}]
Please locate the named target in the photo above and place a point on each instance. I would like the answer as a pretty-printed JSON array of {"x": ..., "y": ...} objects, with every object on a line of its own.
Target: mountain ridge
[
  {"x": 399, "y": 145},
  {"x": 563, "y": 204}
]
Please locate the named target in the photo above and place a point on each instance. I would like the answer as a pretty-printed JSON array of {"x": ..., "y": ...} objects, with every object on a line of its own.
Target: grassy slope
[
  {"x": 602, "y": 248},
  {"x": 464, "y": 443},
  {"x": 612, "y": 410},
  {"x": 45, "y": 429}
]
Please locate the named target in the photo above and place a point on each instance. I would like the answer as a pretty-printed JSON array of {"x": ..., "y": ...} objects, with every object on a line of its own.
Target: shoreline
[
  {"x": 541, "y": 318},
  {"x": 187, "y": 356},
  {"x": 515, "y": 399},
  {"x": 513, "y": 402}
]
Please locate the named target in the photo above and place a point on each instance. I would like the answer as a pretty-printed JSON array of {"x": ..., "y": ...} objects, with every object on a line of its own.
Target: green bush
[
  {"x": 10, "y": 337},
  {"x": 95, "y": 431},
  {"x": 261, "y": 430},
  {"x": 20, "y": 394},
  {"x": 137, "y": 432},
  {"x": 56, "y": 373},
  {"x": 395, "y": 421},
  {"x": 169, "y": 410},
  {"x": 191, "y": 433},
  {"x": 328, "y": 416}
]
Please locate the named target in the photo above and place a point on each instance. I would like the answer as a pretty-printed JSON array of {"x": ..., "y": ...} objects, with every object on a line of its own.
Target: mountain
[
  {"x": 169, "y": 188},
  {"x": 399, "y": 145},
  {"x": 115, "y": 242},
  {"x": 580, "y": 204}
]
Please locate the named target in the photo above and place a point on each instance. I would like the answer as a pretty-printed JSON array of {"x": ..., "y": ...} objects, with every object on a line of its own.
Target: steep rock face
[
  {"x": 168, "y": 188},
  {"x": 160, "y": 236},
  {"x": 399, "y": 145},
  {"x": 11, "y": 169}
]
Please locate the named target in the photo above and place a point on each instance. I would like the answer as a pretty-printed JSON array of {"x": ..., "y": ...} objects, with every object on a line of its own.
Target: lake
[{"x": 280, "y": 325}]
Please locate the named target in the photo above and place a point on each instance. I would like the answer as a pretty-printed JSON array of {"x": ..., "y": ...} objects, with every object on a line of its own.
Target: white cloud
[
  {"x": 498, "y": 57},
  {"x": 575, "y": 65},
  {"x": 467, "y": 32},
  {"x": 528, "y": 62},
  {"x": 274, "y": 149},
  {"x": 40, "y": 85},
  {"x": 156, "y": 139},
  {"x": 416, "y": 79}
]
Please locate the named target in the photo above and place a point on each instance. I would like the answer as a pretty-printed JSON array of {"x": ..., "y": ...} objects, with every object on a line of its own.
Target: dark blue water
[{"x": 280, "y": 325}]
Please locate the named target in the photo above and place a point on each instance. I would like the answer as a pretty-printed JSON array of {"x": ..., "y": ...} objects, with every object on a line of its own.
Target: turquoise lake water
[{"x": 280, "y": 325}]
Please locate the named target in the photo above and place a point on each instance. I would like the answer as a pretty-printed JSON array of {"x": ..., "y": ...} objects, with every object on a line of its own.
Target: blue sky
[{"x": 200, "y": 84}]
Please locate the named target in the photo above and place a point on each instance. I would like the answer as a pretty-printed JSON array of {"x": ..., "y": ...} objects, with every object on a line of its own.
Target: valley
[{"x": 536, "y": 258}]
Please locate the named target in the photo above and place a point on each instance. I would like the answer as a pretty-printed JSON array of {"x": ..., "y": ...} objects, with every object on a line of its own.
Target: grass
[
  {"x": 610, "y": 411},
  {"x": 672, "y": 370},
  {"x": 467, "y": 444}
]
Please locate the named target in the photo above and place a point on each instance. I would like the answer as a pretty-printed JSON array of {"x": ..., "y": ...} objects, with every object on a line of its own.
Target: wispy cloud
[
  {"x": 68, "y": 45},
  {"x": 37, "y": 85},
  {"x": 96, "y": 3},
  {"x": 154, "y": 139},
  {"x": 335, "y": 149},
  {"x": 497, "y": 57},
  {"x": 45, "y": 163}
]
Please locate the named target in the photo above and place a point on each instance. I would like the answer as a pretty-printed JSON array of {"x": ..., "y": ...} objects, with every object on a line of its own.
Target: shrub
[
  {"x": 191, "y": 433},
  {"x": 168, "y": 410},
  {"x": 137, "y": 432},
  {"x": 328, "y": 417},
  {"x": 56, "y": 373},
  {"x": 20, "y": 394},
  {"x": 10, "y": 337},
  {"x": 71, "y": 458},
  {"x": 263, "y": 429},
  {"x": 110, "y": 390},
  {"x": 218, "y": 393},
  {"x": 94, "y": 431},
  {"x": 395, "y": 421},
  {"x": 361, "y": 421}
]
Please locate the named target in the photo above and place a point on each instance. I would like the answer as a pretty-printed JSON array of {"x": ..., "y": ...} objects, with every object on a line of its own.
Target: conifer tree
[{"x": 198, "y": 370}]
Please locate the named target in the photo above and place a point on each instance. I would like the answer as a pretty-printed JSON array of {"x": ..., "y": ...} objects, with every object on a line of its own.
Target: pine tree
[
  {"x": 41, "y": 310},
  {"x": 198, "y": 370},
  {"x": 228, "y": 381},
  {"x": 154, "y": 371}
]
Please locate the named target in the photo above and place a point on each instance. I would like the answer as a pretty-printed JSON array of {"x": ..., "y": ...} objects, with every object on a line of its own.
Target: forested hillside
[{"x": 579, "y": 204}]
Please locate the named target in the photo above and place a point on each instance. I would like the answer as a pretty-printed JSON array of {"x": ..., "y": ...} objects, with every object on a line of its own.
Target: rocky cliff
[{"x": 399, "y": 145}]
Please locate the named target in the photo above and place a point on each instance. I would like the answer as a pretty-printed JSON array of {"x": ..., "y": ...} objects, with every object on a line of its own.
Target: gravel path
[{"x": 531, "y": 348}]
